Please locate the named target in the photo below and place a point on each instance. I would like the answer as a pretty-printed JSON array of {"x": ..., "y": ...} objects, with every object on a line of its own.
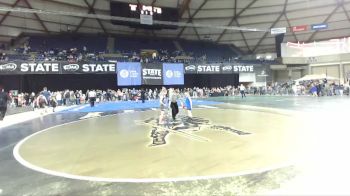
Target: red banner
[{"x": 299, "y": 28}]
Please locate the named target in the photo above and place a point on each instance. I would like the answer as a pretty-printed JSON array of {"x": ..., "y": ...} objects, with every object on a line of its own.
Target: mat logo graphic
[
  {"x": 71, "y": 67},
  {"x": 8, "y": 67},
  {"x": 184, "y": 127}
]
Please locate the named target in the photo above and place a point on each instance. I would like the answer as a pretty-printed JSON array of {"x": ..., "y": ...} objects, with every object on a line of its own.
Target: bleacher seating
[
  {"x": 45, "y": 43},
  {"x": 212, "y": 52},
  {"x": 47, "y": 48},
  {"x": 128, "y": 44}
]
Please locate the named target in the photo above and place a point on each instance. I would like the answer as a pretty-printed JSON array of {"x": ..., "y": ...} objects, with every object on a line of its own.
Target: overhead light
[
  {"x": 268, "y": 57},
  {"x": 258, "y": 57}
]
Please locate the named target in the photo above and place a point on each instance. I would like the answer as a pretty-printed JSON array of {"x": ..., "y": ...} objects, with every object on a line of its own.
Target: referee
[{"x": 174, "y": 96}]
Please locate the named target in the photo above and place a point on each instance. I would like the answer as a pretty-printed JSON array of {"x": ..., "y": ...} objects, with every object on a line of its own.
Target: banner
[
  {"x": 22, "y": 67},
  {"x": 88, "y": 68},
  {"x": 149, "y": 73},
  {"x": 299, "y": 28},
  {"x": 243, "y": 68},
  {"x": 29, "y": 68},
  {"x": 319, "y": 26},
  {"x": 275, "y": 31},
  {"x": 226, "y": 69},
  {"x": 129, "y": 74},
  {"x": 219, "y": 68},
  {"x": 152, "y": 74},
  {"x": 209, "y": 69},
  {"x": 173, "y": 74},
  {"x": 190, "y": 69}
]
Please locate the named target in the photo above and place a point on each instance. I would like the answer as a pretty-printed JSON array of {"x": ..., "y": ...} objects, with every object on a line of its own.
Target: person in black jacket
[
  {"x": 143, "y": 95},
  {"x": 4, "y": 99}
]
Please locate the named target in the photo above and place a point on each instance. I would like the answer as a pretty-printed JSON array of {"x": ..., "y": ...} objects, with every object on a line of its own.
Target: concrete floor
[{"x": 284, "y": 147}]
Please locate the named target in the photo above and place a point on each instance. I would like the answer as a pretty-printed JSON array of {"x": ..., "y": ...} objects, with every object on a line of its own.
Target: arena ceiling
[{"x": 260, "y": 14}]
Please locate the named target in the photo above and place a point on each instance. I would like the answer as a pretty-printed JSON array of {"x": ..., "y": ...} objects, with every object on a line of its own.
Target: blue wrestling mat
[{"x": 127, "y": 105}]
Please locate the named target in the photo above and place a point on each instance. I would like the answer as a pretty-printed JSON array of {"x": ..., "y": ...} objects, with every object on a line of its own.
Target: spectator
[{"x": 4, "y": 99}]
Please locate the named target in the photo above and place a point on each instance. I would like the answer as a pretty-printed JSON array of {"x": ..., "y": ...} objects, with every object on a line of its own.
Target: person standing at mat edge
[
  {"x": 242, "y": 90},
  {"x": 163, "y": 100},
  {"x": 4, "y": 99},
  {"x": 143, "y": 95},
  {"x": 174, "y": 96},
  {"x": 92, "y": 97},
  {"x": 188, "y": 104}
]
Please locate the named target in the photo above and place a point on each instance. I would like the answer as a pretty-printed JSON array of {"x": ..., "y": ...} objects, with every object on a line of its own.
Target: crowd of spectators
[
  {"x": 3, "y": 57},
  {"x": 75, "y": 55},
  {"x": 75, "y": 97},
  {"x": 71, "y": 97},
  {"x": 311, "y": 87}
]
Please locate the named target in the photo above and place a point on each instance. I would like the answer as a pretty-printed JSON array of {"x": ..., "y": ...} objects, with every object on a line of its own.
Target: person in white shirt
[
  {"x": 92, "y": 97},
  {"x": 242, "y": 90},
  {"x": 42, "y": 103},
  {"x": 163, "y": 101},
  {"x": 59, "y": 98}
]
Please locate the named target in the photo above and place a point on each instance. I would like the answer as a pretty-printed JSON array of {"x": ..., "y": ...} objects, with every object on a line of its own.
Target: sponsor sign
[
  {"x": 226, "y": 69},
  {"x": 319, "y": 26},
  {"x": 173, "y": 74},
  {"x": 8, "y": 67},
  {"x": 39, "y": 68},
  {"x": 29, "y": 68},
  {"x": 190, "y": 69},
  {"x": 98, "y": 68},
  {"x": 281, "y": 30},
  {"x": 70, "y": 68},
  {"x": 88, "y": 68},
  {"x": 299, "y": 28},
  {"x": 209, "y": 69},
  {"x": 243, "y": 68},
  {"x": 22, "y": 67},
  {"x": 222, "y": 68},
  {"x": 152, "y": 74},
  {"x": 129, "y": 74}
]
